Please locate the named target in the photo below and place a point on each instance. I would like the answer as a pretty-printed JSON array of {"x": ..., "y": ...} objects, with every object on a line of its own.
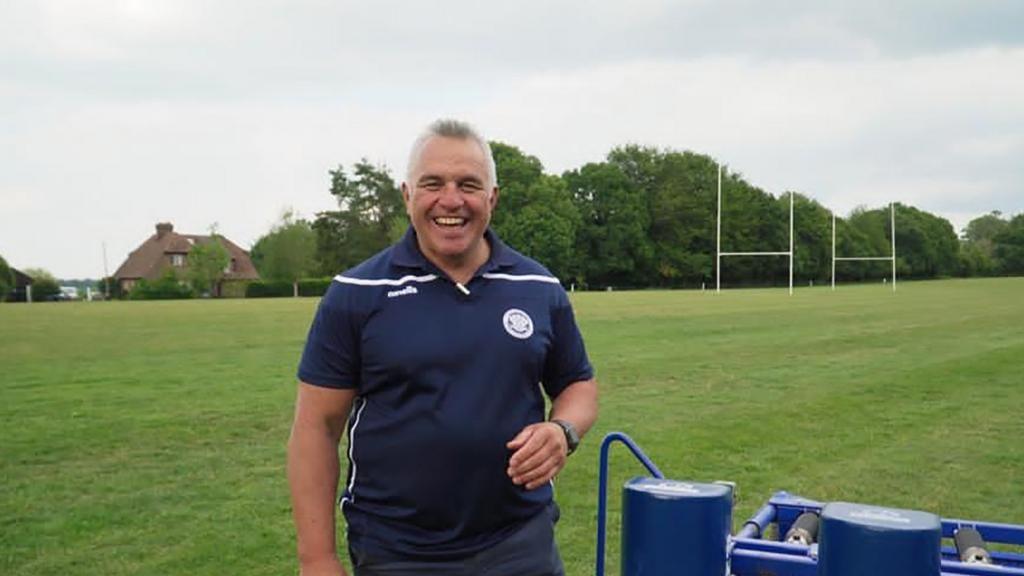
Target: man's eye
[
  {"x": 432, "y": 185},
  {"x": 472, "y": 186}
]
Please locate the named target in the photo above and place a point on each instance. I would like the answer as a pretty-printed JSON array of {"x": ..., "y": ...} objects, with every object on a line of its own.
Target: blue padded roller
[
  {"x": 675, "y": 528},
  {"x": 857, "y": 540}
]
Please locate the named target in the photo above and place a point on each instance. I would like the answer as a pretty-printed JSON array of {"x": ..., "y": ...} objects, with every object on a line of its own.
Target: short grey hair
[{"x": 450, "y": 128}]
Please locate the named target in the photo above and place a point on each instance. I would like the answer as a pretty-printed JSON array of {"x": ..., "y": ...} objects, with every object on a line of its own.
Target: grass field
[{"x": 149, "y": 438}]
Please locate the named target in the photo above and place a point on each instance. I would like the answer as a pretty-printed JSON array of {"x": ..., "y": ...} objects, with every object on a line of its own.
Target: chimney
[{"x": 163, "y": 228}]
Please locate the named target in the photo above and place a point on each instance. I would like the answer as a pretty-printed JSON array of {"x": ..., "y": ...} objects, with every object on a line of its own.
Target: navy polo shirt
[{"x": 445, "y": 379}]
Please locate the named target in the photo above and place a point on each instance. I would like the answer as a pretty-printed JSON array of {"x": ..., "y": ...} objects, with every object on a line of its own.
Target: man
[{"x": 434, "y": 353}]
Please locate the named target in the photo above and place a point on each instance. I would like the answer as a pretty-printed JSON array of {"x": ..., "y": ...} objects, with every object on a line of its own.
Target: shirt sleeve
[
  {"x": 567, "y": 360},
  {"x": 331, "y": 356}
]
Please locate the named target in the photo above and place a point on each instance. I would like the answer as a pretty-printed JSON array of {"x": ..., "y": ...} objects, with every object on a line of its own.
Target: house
[
  {"x": 169, "y": 249},
  {"x": 19, "y": 292}
]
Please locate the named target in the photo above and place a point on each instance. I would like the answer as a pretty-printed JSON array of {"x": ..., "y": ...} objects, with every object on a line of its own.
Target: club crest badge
[{"x": 517, "y": 323}]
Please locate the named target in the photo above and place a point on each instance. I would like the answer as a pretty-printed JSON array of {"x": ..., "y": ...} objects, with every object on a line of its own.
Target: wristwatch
[{"x": 571, "y": 437}]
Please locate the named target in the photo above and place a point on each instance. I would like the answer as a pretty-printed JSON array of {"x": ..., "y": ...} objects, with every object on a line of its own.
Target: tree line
[{"x": 646, "y": 217}]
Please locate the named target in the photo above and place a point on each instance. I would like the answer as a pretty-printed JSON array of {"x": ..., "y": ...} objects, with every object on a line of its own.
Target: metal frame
[
  {"x": 751, "y": 555},
  {"x": 718, "y": 242},
  {"x": 892, "y": 222}
]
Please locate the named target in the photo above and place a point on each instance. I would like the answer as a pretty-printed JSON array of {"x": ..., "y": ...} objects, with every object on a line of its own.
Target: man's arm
[
  {"x": 320, "y": 415},
  {"x": 540, "y": 450}
]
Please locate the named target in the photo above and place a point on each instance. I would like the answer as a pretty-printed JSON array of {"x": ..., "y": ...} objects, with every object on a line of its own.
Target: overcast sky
[{"x": 116, "y": 115}]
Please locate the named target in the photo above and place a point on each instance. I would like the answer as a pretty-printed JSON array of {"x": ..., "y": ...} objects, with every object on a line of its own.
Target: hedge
[
  {"x": 283, "y": 289},
  {"x": 268, "y": 289}
]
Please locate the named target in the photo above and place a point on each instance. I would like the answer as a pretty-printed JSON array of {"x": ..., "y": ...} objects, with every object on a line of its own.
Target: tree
[
  {"x": 6, "y": 279},
  {"x": 680, "y": 190},
  {"x": 926, "y": 245},
  {"x": 975, "y": 261},
  {"x": 516, "y": 172},
  {"x": 544, "y": 228},
  {"x": 1009, "y": 247},
  {"x": 812, "y": 245},
  {"x": 44, "y": 284},
  {"x": 370, "y": 216},
  {"x": 682, "y": 215},
  {"x": 207, "y": 261},
  {"x": 985, "y": 228},
  {"x": 535, "y": 213},
  {"x": 288, "y": 252},
  {"x": 977, "y": 247},
  {"x": 612, "y": 246}
]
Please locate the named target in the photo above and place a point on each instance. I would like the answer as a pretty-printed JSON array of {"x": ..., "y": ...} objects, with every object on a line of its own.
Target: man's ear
[
  {"x": 406, "y": 195},
  {"x": 494, "y": 197}
]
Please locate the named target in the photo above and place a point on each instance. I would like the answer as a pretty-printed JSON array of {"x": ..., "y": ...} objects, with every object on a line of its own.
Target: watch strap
[{"x": 572, "y": 438}]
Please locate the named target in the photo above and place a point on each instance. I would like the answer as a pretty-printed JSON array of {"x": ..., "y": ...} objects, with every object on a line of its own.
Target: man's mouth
[{"x": 449, "y": 221}]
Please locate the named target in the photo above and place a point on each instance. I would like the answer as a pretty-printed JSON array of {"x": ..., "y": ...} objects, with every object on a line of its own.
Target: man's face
[{"x": 449, "y": 198}]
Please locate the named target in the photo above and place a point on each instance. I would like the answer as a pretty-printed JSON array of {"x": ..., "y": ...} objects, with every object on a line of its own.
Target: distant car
[{"x": 66, "y": 293}]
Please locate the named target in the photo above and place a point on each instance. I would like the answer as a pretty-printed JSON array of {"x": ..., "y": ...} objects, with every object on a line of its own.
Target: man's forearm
[
  {"x": 313, "y": 477},
  {"x": 577, "y": 405}
]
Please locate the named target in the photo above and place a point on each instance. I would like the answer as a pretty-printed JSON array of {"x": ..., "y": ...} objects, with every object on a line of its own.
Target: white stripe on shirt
[
  {"x": 349, "y": 494},
  {"x": 523, "y": 278},
  {"x": 384, "y": 281}
]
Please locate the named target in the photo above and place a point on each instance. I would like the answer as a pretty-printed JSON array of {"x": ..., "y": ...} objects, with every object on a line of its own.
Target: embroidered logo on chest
[{"x": 517, "y": 323}]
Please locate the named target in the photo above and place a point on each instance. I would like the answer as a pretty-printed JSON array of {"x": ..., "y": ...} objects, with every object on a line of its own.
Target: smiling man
[{"x": 435, "y": 355}]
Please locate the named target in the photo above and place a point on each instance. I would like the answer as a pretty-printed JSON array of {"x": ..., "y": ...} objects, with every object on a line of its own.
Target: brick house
[{"x": 168, "y": 249}]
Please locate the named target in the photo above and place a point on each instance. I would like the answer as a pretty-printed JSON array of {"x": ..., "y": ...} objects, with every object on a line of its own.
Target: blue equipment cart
[{"x": 679, "y": 528}]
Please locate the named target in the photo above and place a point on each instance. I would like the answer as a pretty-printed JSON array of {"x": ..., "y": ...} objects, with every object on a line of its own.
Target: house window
[
  {"x": 177, "y": 260},
  {"x": 230, "y": 266}
]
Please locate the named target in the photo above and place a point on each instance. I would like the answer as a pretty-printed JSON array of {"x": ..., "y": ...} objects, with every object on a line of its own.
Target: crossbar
[
  {"x": 892, "y": 258},
  {"x": 718, "y": 241}
]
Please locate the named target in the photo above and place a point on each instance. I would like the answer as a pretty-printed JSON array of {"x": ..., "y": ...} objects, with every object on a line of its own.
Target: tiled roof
[{"x": 152, "y": 257}]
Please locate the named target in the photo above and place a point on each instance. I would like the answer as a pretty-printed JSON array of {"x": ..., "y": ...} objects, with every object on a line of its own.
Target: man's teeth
[{"x": 449, "y": 221}]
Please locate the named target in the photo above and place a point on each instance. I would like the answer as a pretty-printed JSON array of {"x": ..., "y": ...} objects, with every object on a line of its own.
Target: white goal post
[
  {"x": 718, "y": 243},
  {"x": 892, "y": 257}
]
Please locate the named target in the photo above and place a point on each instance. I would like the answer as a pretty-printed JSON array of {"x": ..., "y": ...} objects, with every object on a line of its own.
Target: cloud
[
  {"x": 116, "y": 115},
  {"x": 847, "y": 133}
]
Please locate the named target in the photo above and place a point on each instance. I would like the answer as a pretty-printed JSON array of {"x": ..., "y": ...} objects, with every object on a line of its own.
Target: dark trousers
[{"x": 529, "y": 551}]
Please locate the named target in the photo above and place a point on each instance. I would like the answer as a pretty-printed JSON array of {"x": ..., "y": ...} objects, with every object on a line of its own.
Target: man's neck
[{"x": 462, "y": 269}]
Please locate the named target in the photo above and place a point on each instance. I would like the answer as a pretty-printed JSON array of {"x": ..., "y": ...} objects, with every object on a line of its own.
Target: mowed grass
[{"x": 149, "y": 438}]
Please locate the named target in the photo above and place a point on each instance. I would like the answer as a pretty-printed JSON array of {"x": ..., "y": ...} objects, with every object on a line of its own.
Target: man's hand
[
  {"x": 327, "y": 567},
  {"x": 539, "y": 453}
]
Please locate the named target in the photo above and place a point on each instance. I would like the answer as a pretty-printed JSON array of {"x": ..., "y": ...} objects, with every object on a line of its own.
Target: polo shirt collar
[{"x": 406, "y": 253}]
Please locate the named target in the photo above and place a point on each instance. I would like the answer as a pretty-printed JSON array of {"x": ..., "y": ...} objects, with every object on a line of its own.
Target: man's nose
[{"x": 451, "y": 196}]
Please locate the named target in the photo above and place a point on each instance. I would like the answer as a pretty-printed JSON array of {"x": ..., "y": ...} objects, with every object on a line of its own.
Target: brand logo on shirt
[
  {"x": 517, "y": 323},
  {"x": 403, "y": 292}
]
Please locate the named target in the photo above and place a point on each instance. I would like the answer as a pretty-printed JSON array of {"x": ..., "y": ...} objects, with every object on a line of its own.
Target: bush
[
  {"x": 268, "y": 289},
  {"x": 233, "y": 288},
  {"x": 44, "y": 289},
  {"x": 167, "y": 287},
  {"x": 115, "y": 288},
  {"x": 314, "y": 286}
]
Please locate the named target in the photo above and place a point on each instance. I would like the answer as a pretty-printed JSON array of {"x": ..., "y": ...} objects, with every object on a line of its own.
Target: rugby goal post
[
  {"x": 718, "y": 242},
  {"x": 892, "y": 257}
]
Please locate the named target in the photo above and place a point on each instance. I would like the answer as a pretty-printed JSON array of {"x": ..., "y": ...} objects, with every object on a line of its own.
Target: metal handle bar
[{"x": 602, "y": 489}]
